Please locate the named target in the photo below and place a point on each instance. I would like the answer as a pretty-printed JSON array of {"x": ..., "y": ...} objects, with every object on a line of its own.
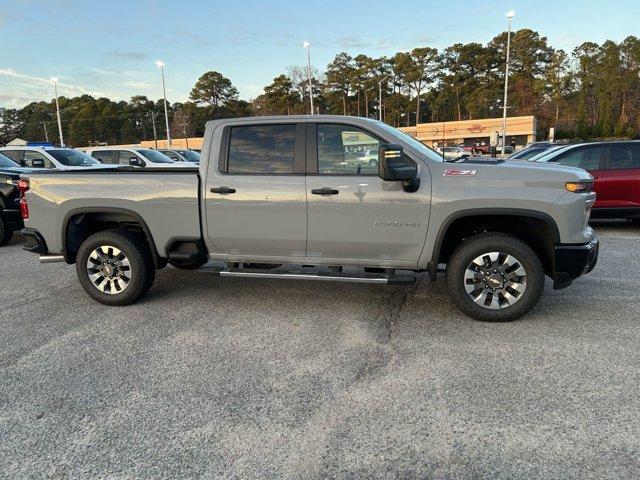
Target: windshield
[
  {"x": 154, "y": 156},
  {"x": 190, "y": 155},
  {"x": 527, "y": 153},
  {"x": 415, "y": 144},
  {"x": 73, "y": 158},
  {"x": 548, "y": 154},
  {"x": 6, "y": 162}
]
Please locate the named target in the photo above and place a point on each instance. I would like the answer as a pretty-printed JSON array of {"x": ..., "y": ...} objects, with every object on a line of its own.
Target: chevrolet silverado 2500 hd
[{"x": 282, "y": 197}]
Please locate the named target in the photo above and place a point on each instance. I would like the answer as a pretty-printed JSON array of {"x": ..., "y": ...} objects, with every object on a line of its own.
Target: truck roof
[{"x": 295, "y": 118}]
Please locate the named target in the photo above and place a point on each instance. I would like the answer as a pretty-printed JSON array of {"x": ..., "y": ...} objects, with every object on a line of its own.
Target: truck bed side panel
[{"x": 167, "y": 202}]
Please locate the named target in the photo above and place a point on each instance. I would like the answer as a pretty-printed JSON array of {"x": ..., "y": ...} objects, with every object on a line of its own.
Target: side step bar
[{"x": 320, "y": 276}]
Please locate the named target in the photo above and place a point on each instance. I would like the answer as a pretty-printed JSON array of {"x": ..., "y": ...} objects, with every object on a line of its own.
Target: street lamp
[
  {"x": 307, "y": 45},
  {"x": 510, "y": 14},
  {"x": 55, "y": 90},
  {"x": 160, "y": 65},
  {"x": 380, "y": 96}
]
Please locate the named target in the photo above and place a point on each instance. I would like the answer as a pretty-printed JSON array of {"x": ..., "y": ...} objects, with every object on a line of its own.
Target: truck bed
[{"x": 166, "y": 201}]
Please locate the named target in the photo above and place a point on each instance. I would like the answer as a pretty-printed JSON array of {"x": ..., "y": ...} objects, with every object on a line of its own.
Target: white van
[
  {"x": 50, "y": 157},
  {"x": 134, "y": 156}
]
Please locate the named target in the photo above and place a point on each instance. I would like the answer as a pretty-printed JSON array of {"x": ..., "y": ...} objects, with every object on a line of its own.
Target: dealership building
[{"x": 473, "y": 132}]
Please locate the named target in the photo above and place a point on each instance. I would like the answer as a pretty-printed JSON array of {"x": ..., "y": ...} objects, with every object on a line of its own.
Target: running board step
[{"x": 320, "y": 276}]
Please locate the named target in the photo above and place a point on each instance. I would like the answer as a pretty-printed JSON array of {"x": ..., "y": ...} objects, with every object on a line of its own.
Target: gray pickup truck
[{"x": 287, "y": 198}]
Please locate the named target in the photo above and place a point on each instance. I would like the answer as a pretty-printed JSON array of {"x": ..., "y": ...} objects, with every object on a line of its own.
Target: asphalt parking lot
[{"x": 241, "y": 378}]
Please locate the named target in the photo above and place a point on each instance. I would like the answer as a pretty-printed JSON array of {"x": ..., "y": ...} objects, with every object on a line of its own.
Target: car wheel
[
  {"x": 115, "y": 267},
  {"x": 495, "y": 277},
  {"x": 373, "y": 163},
  {"x": 5, "y": 231}
]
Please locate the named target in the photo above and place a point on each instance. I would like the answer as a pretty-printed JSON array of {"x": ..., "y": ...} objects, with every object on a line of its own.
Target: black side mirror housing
[
  {"x": 37, "y": 163},
  {"x": 393, "y": 166},
  {"x": 135, "y": 162}
]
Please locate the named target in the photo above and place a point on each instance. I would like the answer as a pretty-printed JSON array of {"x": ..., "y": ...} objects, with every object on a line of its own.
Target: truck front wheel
[
  {"x": 495, "y": 277},
  {"x": 115, "y": 267}
]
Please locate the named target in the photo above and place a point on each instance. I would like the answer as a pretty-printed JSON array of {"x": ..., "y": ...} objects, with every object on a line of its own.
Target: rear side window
[
  {"x": 105, "y": 156},
  {"x": 624, "y": 156},
  {"x": 587, "y": 158},
  {"x": 15, "y": 155},
  {"x": 262, "y": 149}
]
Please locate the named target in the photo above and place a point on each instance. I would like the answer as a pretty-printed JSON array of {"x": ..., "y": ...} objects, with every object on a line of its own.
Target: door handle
[
  {"x": 325, "y": 191},
  {"x": 223, "y": 190}
]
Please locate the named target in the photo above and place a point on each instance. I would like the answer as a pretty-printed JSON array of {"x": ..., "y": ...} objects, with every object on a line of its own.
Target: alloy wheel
[
  {"x": 495, "y": 280},
  {"x": 109, "y": 269}
]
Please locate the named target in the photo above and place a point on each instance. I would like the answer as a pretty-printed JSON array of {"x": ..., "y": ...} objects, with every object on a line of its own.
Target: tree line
[{"x": 590, "y": 92}]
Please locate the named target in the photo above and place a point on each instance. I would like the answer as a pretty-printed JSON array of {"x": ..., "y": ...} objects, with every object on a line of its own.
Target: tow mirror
[
  {"x": 37, "y": 163},
  {"x": 135, "y": 162},
  {"x": 394, "y": 166}
]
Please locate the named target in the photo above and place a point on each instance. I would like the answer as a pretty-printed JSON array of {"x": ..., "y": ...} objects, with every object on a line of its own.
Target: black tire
[
  {"x": 373, "y": 163},
  {"x": 136, "y": 252},
  {"x": 477, "y": 246},
  {"x": 188, "y": 264},
  {"x": 5, "y": 231}
]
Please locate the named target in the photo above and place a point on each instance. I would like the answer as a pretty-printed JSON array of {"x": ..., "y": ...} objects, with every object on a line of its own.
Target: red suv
[{"x": 616, "y": 168}]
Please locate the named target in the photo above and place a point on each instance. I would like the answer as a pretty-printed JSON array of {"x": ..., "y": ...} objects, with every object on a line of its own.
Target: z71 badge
[{"x": 458, "y": 173}]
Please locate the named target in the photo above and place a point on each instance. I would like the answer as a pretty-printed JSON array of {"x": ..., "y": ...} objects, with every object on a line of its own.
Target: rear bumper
[
  {"x": 573, "y": 261},
  {"x": 35, "y": 242}
]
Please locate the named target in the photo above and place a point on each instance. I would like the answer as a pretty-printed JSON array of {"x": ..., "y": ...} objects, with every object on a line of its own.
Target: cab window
[
  {"x": 262, "y": 149},
  {"x": 346, "y": 150}
]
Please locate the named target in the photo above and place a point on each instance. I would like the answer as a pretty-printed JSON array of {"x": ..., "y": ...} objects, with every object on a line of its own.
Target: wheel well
[
  {"x": 538, "y": 233},
  {"x": 81, "y": 226}
]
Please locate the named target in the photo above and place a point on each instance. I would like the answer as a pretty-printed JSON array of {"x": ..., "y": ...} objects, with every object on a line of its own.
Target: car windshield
[
  {"x": 154, "y": 156},
  {"x": 190, "y": 155},
  {"x": 415, "y": 144},
  {"x": 6, "y": 162},
  {"x": 548, "y": 154},
  {"x": 73, "y": 158},
  {"x": 526, "y": 153}
]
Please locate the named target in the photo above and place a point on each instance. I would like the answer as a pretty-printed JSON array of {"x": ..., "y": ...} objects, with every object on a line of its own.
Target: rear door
[
  {"x": 255, "y": 193},
  {"x": 622, "y": 179},
  {"x": 354, "y": 216}
]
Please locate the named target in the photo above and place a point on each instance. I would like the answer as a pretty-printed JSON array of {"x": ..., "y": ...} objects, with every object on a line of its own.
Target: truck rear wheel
[
  {"x": 495, "y": 277},
  {"x": 115, "y": 267},
  {"x": 5, "y": 231}
]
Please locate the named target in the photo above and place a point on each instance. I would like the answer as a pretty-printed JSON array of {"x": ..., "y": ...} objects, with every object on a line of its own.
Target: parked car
[
  {"x": 269, "y": 204},
  {"x": 50, "y": 157},
  {"x": 134, "y": 156},
  {"x": 10, "y": 218},
  {"x": 615, "y": 167},
  {"x": 477, "y": 149},
  {"x": 181, "y": 155},
  {"x": 528, "y": 152},
  {"x": 370, "y": 158},
  {"x": 452, "y": 153}
]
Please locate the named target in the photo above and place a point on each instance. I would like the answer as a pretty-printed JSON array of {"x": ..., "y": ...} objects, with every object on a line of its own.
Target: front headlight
[{"x": 581, "y": 186}]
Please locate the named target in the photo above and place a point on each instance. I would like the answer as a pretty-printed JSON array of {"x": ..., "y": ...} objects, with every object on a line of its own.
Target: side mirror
[
  {"x": 393, "y": 166},
  {"x": 37, "y": 163},
  {"x": 135, "y": 162}
]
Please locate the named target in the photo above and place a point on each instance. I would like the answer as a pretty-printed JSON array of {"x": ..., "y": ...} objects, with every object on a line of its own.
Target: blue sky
[{"x": 109, "y": 47}]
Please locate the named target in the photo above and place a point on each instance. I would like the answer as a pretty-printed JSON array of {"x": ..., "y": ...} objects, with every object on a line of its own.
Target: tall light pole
[
  {"x": 307, "y": 45},
  {"x": 510, "y": 14},
  {"x": 380, "y": 96},
  {"x": 55, "y": 91},
  {"x": 164, "y": 93}
]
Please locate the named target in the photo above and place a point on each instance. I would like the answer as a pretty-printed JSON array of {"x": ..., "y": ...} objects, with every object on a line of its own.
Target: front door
[
  {"x": 589, "y": 158},
  {"x": 255, "y": 193},
  {"x": 354, "y": 216}
]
